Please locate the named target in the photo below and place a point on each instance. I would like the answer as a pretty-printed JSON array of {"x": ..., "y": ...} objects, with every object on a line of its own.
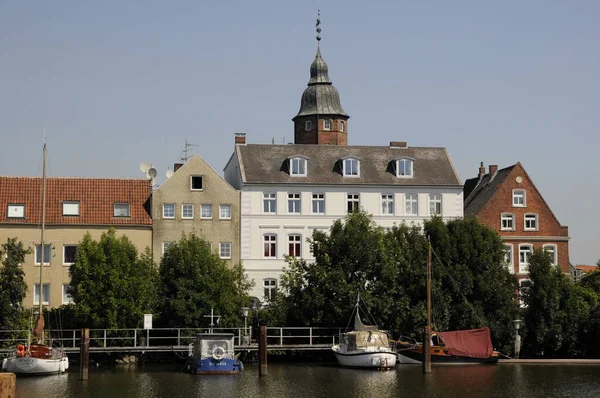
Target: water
[{"x": 323, "y": 380}]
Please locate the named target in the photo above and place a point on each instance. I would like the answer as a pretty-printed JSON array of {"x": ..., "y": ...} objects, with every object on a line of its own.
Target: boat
[
  {"x": 364, "y": 347},
  {"x": 38, "y": 358}
]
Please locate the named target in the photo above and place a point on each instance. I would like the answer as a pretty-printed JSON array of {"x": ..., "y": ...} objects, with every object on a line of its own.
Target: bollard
[
  {"x": 8, "y": 385},
  {"x": 84, "y": 354},
  {"x": 262, "y": 349}
]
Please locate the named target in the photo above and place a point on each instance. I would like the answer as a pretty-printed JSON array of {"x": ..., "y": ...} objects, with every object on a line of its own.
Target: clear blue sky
[{"x": 120, "y": 82}]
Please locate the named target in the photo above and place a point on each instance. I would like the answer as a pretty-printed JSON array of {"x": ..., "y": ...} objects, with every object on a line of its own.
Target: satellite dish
[
  {"x": 145, "y": 166},
  {"x": 151, "y": 173},
  {"x": 169, "y": 173}
]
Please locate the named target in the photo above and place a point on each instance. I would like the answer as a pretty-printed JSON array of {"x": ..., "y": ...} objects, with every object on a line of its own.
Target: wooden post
[
  {"x": 8, "y": 385},
  {"x": 262, "y": 349},
  {"x": 84, "y": 353},
  {"x": 427, "y": 334}
]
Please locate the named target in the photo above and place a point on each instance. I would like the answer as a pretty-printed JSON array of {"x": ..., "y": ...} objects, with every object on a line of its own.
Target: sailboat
[
  {"x": 38, "y": 358},
  {"x": 364, "y": 347},
  {"x": 451, "y": 347}
]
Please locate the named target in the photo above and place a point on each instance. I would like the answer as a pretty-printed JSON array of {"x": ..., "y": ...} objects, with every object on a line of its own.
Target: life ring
[
  {"x": 20, "y": 350},
  {"x": 218, "y": 353}
]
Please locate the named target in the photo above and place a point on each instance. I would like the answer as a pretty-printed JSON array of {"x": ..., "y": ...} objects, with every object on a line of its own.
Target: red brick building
[{"x": 509, "y": 202}]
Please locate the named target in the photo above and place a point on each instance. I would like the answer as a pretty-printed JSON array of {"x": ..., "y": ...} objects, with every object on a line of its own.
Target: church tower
[{"x": 321, "y": 119}]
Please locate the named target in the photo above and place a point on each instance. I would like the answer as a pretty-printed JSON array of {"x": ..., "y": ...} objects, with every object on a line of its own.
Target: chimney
[
  {"x": 240, "y": 138},
  {"x": 176, "y": 166},
  {"x": 493, "y": 169},
  {"x": 397, "y": 144},
  {"x": 481, "y": 170}
]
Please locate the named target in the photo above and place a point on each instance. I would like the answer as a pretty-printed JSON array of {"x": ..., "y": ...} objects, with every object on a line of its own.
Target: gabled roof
[
  {"x": 587, "y": 268},
  {"x": 265, "y": 164},
  {"x": 96, "y": 196},
  {"x": 477, "y": 191}
]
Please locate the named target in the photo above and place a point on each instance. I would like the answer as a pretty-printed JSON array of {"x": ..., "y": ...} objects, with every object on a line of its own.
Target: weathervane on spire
[{"x": 318, "y": 27}]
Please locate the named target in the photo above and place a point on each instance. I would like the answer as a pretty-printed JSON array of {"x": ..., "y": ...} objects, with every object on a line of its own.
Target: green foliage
[
  {"x": 193, "y": 279},
  {"x": 12, "y": 286},
  {"x": 111, "y": 285}
]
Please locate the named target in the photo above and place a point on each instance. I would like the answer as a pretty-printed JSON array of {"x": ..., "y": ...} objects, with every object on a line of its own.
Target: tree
[
  {"x": 193, "y": 280},
  {"x": 111, "y": 286},
  {"x": 12, "y": 285}
]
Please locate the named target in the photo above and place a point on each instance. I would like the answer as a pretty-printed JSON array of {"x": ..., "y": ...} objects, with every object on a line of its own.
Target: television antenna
[{"x": 188, "y": 145}]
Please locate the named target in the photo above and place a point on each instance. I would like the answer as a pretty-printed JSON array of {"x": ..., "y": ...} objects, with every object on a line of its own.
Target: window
[
  {"x": 342, "y": 126},
  {"x": 70, "y": 208},
  {"x": 551, "y": 251},
  {"x": 187, "y": 211},
  {"x": 69, "y": 254},
  {"x": 15, "y": 211},
  {"x": 298, "y": 167},
  {"x": 507, "y": 221},
  {"x": 66, "y": 297},
  {"x": 435, "y": 204},
  {"x": 294, "y": 203},
  {"x": 411, "y": 201},
  {"x": 525, "y": 252},
  {"x": 531, "y": 222},
  {"x": 269, "y": 203},
  {"x": 308, "y": 125},
  {"x": 121, "y": 210},
  {"x": 353, "y": 202},
  {"x": 225, "y": 212},
  {"x": 519, "y": 199},
  {"x": 404, "y": 168},
  {"x": 225, "y": 250},
  {"x": 318, "y": 203},
  {"x": 508, "y": 258},
  {"x": 326, "y": 124},
  {"x": 45, "y": 294},
  {"x": 387, "y": 204},
  {"x": 38, "y": 255},
  {"x": 524, "y": 286},
  {"x": 295, "y": 245},
  {"x": 196, "y": 183},
  {"x": 270, "y": 245},
  {"x": 165, "y": 246},
  {"x": 206, "y": 211},
  {"x": 351, "y": 168},
  {"x": 270, "y": 287},
  {"x": 168, "y": 210}
]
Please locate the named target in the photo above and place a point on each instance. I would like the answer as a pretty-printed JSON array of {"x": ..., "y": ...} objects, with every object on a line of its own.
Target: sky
[{"x": 120, "y": 82}]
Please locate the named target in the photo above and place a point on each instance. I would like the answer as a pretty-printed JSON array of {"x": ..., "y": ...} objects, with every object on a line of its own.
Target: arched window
[
  {"x": 308, "y": 125},
  {"x": 342, "y": 126},
  {"x": 552, "y": 252},
  {"x": 326, "y": 124}
]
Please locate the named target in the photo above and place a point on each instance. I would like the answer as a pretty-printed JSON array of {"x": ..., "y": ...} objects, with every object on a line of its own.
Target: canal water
[{"x": 323, "y": 380}]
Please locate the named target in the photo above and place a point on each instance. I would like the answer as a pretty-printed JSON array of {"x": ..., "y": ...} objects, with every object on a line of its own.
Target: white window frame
[
  {"x": 353, "y": 198},
  {"x": 192, "y": 183},
  {"x": 121, "y": 206},
  {"x": 66, "y": 297},
  {"x": 507, "y": 217},
  {"x": 269, "y": 286},
  {"x": 65, "y": 254},
  {"x": 435, "y": 199},
  {"x": 411, "y": 201},
  {"x": 387, "y": 204},
  {"x": 308, "y": 125},
  {"x": 202, "y": 208},
  {"x": 326, "y": 124},
  {"x": 296, "y": 241},
  {"x": 318, "y": 197},
  {"x": 528, "y": 217},
  {"x": 164, "y": 208},
  {"x": 554, "y": 252},
  {"x": 269, "y": 239},
  {"x": 348, "y": 167},
  {"x": 294, "y": 203},
  {"x": 298, "y": 167},
  {"x": 36, "y": 297},
  {"x": 509, "y": 252},
  {"x": 224, "y": 217},
  {"x": 516, "y": 193},
  {"x": 269, "y": 203},
  {"x": 183, "y": 216},
  {"x": 71, "y": 208},
  {"x": 521, "y": 281},
  {"x": 401, "y": 166},
  {"x": 17, "y": 208},
  {"x": 165, "y": 246},
  {"x": 224, "y": 249},
  {"x": 46, "y": 258},
  {"x": 341, "y": 126},
  {"x": 522, "y": 251}
]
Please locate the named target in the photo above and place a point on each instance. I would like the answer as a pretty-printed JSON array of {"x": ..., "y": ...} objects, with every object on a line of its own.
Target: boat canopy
[
  {"x": 475, "y": 343},
  {"x": 359, "y": 339},
  {"x": 207, "y": 342}
]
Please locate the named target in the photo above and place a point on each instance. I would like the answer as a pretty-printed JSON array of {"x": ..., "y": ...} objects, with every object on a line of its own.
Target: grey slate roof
[
  {"x": 268, "y": 164},
  {"x": 477, "y": 193},
  {"x": 320, "y": 97}
]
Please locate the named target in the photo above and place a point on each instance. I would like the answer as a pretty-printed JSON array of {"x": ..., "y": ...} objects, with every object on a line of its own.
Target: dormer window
[
  {"x": 351, "y": 167},
  {"x": 342, "y": 126},
  {"x": 404, "y": 168},
  {"x": 308, "y": 125},
  {"x": 326, "y": 124},
  {"x": 298, "y": 167}
]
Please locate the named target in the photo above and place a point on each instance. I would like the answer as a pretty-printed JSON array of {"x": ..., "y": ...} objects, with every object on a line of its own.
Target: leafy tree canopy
[{"x": 12, "y": 285}]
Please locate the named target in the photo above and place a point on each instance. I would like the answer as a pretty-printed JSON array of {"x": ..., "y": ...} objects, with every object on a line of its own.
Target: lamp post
[
  {"x": 517, "y": 323},
  {"x": 244, "y": 311}
]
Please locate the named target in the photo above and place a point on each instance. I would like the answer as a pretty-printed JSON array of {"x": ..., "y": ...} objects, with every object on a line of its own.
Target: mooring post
[
  {"x": 262, "y": 348},
  {"x": 84, "y": 353},
  {"x": 426, "y": 351},
  {"x": 8, "y": 385}
]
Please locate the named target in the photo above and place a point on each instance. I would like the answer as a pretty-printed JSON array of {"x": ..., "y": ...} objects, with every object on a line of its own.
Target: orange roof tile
[
  {"x": 96, "y": 197},
  {"x": 587, "y": 268}
]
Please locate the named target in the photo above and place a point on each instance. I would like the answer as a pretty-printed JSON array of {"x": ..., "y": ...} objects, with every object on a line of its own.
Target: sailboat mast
[
  {"x": 427, "y": 334},
  {"x": 43, "y": 227}
]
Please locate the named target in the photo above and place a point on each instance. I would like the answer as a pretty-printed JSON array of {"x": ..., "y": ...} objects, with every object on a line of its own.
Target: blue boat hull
[{"x": 214, "y": 366}]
